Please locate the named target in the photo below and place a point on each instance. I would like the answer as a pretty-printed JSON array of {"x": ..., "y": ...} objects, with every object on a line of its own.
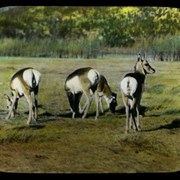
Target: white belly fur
[{"x": 75, "y": 84}]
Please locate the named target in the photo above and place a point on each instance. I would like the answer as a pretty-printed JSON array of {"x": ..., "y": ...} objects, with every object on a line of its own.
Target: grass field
[{"x": 59, "y": 144}]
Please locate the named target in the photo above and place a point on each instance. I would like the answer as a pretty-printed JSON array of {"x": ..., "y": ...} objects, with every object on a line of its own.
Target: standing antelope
[
  {"x": 132, "y": 88},
  {"x": 25, "y": 82},
  {"x": 82, "y": 81},
  {"x": 104, "y": 90}
]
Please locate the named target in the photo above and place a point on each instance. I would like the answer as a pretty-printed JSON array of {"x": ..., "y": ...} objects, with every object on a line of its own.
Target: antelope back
[
  {"x": 82, "y": 79},
  {"x": 24, "y": 79},
  {"x": 90, "y": 80}
]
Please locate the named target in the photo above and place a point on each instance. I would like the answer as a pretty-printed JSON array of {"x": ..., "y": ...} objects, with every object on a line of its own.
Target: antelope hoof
[
  {"x": 96, "y": 118},
  {"x": 126, "y": 131},
  {"x": 73, "y": 115},
  {"x": 31, "y": 122},
  {"x": 138, "y": 128},
  {"x": 84, "y": 116}
]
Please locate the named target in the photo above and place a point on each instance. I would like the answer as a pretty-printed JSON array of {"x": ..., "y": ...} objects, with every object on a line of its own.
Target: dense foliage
[{"x": 91, "y": 27}]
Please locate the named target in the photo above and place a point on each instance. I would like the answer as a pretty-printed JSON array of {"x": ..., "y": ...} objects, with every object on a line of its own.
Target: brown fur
[
  {"x": 30, "y": 93},
  {"x": 103, "y": 89},
  {"x": 85, "y": 87},
  {"x": 142, "y": 68}
]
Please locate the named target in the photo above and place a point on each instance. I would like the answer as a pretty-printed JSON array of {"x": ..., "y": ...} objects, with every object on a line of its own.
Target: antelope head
[
  {"x": 113, "y": 103},
  {"x": 9, "y": 102},
  {"x": 143, "y": 66}
]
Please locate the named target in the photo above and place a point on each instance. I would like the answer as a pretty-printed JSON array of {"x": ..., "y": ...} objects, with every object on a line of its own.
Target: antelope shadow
[
  {"x": 173, "y": 125},
  {"x": 142, "y": 110},
  {"x": 47, "y": 116},
  {"x": 32, "y": 126}
]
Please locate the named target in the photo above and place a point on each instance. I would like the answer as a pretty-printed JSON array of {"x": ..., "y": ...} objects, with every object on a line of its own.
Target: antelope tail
[{"x": 129, "y": 89}]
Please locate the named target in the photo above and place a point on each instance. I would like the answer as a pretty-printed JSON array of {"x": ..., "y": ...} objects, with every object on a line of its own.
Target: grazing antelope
[
  {"x": 132, "y": 88},
  {"x": 104, "y": 90},
  {"x": 82, "y": 81},
  {"x": 25, "y": 82}
]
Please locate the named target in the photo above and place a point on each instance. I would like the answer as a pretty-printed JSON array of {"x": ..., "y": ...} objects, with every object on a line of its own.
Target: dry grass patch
[{"x": 61, "y": 144}]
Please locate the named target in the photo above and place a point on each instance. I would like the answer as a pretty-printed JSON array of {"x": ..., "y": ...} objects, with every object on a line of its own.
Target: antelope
[
  {"x": 24, "y": 82},
  {"x": 82, "y": 81},
  {"x": 104, "y": 90},
  {"x": 132, "y": 88}
]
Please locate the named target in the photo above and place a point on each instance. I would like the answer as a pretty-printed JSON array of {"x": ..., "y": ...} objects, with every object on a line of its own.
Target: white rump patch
[
  {"x": 74, "y": 84},
  {"x": 37, "y": 75},
  {"x": 28, "y": 76},
  {"x": 128, "y": 86},
  {"x": 93, "y": 75}
]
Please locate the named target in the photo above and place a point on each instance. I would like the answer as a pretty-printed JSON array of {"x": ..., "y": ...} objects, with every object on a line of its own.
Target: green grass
[{"x": 61, "y": 144}]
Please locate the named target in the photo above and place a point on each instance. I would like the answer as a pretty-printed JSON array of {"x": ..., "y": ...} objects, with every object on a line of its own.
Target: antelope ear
[
  {"x": 7, "y": 97},
  {"x": 139, "y": 57}
]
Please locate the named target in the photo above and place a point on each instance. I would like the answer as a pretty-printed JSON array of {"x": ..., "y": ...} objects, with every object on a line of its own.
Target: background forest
[{"x": 89, "y": 32}]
